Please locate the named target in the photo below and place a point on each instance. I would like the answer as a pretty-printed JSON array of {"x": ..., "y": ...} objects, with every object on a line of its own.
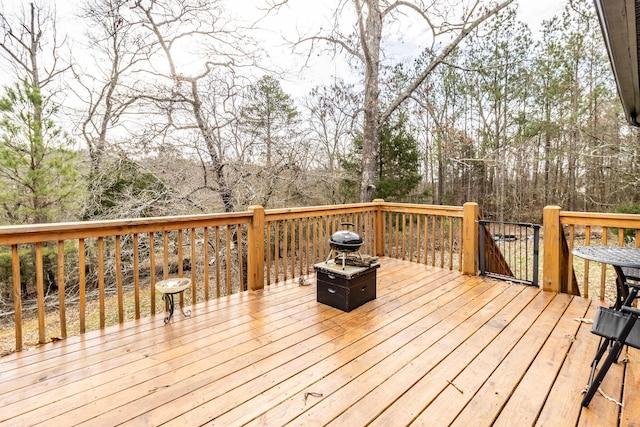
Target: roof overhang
[{"x": 620, "y": 21}]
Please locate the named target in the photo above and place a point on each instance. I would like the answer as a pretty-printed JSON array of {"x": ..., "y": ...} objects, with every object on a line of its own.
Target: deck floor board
[{"x": 434, "y": 348}]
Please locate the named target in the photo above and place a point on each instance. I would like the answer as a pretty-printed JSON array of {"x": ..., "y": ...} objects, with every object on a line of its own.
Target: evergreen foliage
[
  {"x": 39, "y": 170},
  {"x": 270, "y": 117},
  {"x": 398, "y": 168}
]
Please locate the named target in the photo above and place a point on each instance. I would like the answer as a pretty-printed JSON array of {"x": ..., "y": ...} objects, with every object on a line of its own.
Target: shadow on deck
[{"x": 435, "y": 348}]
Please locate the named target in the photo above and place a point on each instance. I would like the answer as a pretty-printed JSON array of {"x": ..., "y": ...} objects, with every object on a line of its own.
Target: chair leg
[
  {"x": 602, "y": 349},
  {"x": 614, "y": 351},
  {"x": 595, "y": 384}
]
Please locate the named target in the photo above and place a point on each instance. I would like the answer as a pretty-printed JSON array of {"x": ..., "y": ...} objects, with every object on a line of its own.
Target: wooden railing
[
  {"x": 109, "y": 263},
  {"x": 430, "y": 235},
  {"x": 564, "y": 230},
  {"x": 295, "y": 239},
  {"x": 107, "y": 270}
]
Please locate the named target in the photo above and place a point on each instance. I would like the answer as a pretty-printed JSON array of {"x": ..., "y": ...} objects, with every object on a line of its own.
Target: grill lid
[{"x": 346, "y": 240}]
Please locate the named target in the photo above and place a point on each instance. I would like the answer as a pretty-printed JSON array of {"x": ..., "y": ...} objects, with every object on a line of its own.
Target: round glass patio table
[{"x": 625, "y": 262}]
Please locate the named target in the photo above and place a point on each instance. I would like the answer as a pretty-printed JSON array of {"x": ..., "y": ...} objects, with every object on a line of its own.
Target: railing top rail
[
  {"x": 600, "y": 219},
  {"x": 455, "y": 211},
  {"x": 294, "y": 213},
  {"x": 22, "y": 234}
]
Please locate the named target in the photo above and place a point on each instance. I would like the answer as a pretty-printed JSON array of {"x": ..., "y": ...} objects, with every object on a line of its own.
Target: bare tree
[
  {"x": 26, "y": 39},
  {"x": 118, "y": 50},
  {"x": 364, "y": 43},
  {"x": 333, "y": 118},
  {"x": 197, "y": 45},
  {"x": 333, "y": 112}
]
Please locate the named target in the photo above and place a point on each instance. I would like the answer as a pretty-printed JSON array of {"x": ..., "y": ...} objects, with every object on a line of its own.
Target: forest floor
[{"x": 72, "y": 311}]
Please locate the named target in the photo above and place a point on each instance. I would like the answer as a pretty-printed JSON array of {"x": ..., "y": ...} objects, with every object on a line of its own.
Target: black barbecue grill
[{"x": 345, "y": 242}]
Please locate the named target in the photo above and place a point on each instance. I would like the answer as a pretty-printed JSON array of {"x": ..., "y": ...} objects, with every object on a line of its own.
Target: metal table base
[
  {"x": 169, "y": 289},
  {"x": 170, "y": 298}
]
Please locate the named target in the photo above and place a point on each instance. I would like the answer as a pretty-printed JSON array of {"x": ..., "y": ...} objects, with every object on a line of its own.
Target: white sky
[
  {"x": 305, "y": 13},
  {"x": 533, "y": 12},
  {"x": 300, "y": 14}
]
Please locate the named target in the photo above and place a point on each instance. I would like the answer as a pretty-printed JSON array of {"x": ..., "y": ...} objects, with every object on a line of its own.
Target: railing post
[
  {"x": 379, "y": 228},
  {"x": 551, "y": 269},
  {"x": 255, "y": 251},
  {"x": 470, "y": 238}
]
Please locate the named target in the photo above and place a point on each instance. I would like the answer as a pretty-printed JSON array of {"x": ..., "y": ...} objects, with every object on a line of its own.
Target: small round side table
[{"x": 169, "y": 288}]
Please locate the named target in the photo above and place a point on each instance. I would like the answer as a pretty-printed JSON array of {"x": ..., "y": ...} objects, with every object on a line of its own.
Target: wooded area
[{"x": 167, "y": 107}]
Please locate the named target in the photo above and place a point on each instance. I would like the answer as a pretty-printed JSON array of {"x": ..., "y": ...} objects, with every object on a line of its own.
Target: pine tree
[{"x": 39, "y": 177}]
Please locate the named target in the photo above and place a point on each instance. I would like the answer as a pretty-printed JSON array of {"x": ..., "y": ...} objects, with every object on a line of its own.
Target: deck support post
[
  {"x": 255, "y": 251},
  {"x": 379, "y": 229},
  {"x": 552, "y": 258},
  {"x": 470, "y": 238}
]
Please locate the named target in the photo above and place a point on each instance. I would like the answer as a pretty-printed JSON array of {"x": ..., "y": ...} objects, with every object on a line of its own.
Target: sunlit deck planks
[{"x": 434, "y": 348}]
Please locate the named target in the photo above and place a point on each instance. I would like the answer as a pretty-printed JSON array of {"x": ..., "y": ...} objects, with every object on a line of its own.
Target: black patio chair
[{"x": 617, "y": 327}]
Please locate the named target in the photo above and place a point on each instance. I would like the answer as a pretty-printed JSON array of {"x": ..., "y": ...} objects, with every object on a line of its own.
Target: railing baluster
[
  {"x": 587, "y": 242},
  {"x": 410, "y": 237},
  {"x": 228, "y": 260},
  {"x": 17, "y": 295},
  {"x": 433, "y": 241},
  {"x": 570, "y": 245},
  {"x": 276, "y": 254},
  {"x": 193, "y": 264},
  {"x": 293, "y": 248},
  {"x": 300, "y": 246},
  {"x": 318, "y": 244},
  {"x": 240, "y": 250},
  {"x": 403, "y": 231},
  {"x": 426, "y": 239},
  {"x": 418, "y": 237},
  {"x": 397, "y": 233},
  {"x": 180, "y": 257},
  {"x": 136, "y": 274},
  {"x": 82, "y": 266},
  {"x": 268, "y": 252},
  {"x": 603, "y": 267},
  {"x": 310, "y": 244},
  {"x": 450, "y": 243},
  {"x": 40, "y": 293},
  {"x": 152, "y": 272},
  {"x": 101, "y": 280},
  {"x": 165, "y": 253},
  {"x": 218, "y": 274},
  {"x": 61, "y": 290},
  {"x": 118, "y": 255},
  {"x": 460, "y": 244},
  {"x": 205, "y": 260},
  {"x": 442, "y": 240},
  {"x": 285, "y": 248}
]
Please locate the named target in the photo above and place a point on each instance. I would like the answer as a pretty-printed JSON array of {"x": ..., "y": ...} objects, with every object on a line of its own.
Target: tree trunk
[{"x": 371, "y": 37}]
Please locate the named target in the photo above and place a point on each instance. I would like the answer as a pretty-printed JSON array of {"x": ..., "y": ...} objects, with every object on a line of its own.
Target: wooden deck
[{"x": 435, "y": 348}]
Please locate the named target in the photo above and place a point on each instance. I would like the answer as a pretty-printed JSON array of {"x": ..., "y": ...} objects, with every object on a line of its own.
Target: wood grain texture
[{"x": 436, "y": 347}]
